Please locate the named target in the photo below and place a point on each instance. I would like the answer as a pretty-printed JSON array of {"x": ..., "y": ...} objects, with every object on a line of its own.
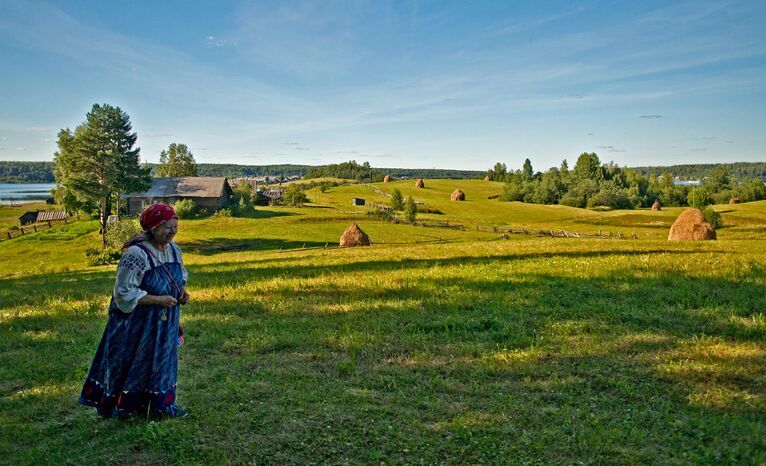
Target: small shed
[
  {"x": 28, "y": 217},
  {"x": 270, "y": 196},
  {"x": 357, "y": 201},
  {"x": 207, "y": 192}
]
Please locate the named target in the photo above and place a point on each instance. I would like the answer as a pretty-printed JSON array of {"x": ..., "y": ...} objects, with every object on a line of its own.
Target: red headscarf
[{"x": 154, "y": 215}]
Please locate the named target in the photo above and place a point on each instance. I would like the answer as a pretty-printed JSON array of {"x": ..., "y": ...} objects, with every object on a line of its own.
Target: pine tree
[
  {"x": 527, "y": 170},
  {"x": 176, "y": 161},
  {"x": 97, "y": 161}
]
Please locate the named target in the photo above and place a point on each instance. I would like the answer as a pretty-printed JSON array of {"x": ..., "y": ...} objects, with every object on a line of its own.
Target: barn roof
[
  {"x": 50, "y": 215},
  {"x": 187, "y": 186}
]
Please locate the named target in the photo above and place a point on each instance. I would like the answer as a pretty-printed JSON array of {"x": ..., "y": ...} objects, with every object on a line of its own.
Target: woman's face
[{"x": 164, "y": 233}]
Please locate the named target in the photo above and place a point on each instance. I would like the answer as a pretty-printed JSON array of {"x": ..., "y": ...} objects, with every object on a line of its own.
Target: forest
[{"x": 593, "y": 184}]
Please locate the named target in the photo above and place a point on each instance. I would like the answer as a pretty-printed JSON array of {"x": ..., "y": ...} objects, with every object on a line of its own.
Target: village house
[{"x": 207, "y": 192}]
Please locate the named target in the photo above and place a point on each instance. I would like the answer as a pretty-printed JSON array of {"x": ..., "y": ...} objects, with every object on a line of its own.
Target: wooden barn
[
  {"x": 28, "y": 217},
  {"x": 38, "y": 216},
  {"x": 207, "y": 192}
]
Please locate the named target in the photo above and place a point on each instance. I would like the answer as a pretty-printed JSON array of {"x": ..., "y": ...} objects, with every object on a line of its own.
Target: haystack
[
  {"x": 734, "y": 200},
  {"x": 691, "y": 226},
  {"x": 354, "y": 236},
  {"x": 387, "y": 179},
  {"x": 656, "y": 206},
  {"x": 419, "y": 183},
  {"x": 457, "y": 195},
  {"x": 487, "y": 178}
]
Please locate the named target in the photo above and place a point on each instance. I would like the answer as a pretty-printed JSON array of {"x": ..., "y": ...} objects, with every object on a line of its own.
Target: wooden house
[{"x": 207, "y": 192}]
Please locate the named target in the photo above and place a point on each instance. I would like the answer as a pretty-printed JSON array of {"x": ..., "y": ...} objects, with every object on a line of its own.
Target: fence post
[
  {"x": 35, "y": 228},
  {"x": 9, "y": 235},
  {"x": 49, "y": 224}
]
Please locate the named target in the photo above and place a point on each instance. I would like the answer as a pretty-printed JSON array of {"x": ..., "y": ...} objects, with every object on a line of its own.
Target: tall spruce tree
[
  {"x": 98, "y": 161},
  {"x": 176, "y": 161}
]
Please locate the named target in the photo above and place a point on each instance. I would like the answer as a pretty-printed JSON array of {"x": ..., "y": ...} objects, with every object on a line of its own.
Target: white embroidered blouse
[{"x": 133, "y": 266}]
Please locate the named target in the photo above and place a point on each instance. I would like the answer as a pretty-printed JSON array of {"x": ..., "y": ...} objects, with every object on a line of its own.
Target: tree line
[
  {"x": 26, "y": 172},
  {"x": 738, "y": 170},
  {"x": 593, "y": 184},
  {"x": 352, "y": 170},
  {"x": 42, "y": 172}
]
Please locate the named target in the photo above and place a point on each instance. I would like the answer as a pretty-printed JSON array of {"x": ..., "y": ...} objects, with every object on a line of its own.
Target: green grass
[{"x": 479, "y": 350}]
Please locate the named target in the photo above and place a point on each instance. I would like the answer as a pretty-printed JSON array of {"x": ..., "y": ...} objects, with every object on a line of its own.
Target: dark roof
[
  {"x": 50, "y": 215},
  {"x": 272, "y": 194},
  {"x": 30, "y": 214},
  {"x": 187, "y": 186}
]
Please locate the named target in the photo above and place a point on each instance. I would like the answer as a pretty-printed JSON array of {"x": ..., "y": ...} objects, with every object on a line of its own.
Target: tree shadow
[
  {"x": 266, "y": 213},
  {"x": 208, "y": 247}
]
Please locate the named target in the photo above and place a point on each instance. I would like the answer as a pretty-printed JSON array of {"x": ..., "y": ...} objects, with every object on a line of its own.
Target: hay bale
[
  {"x": 487, "y": 178},
  {"x": 419, "y": 183},
  {"x": 691, "y": 226},
  {"x": 734, "y": 200},
  {"x": 354, "y": 236},
  {"x": 387, "y": 179},
  {"x": 656, "y": 206},
  {"x": 457, "y": 195}
]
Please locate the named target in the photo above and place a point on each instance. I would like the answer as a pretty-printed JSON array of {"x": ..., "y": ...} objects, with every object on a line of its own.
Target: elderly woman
[{"x": 136, "y": 363}]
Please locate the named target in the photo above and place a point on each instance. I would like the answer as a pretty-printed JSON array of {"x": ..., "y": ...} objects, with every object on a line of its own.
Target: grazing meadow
[{"x": 444, "y": 342}]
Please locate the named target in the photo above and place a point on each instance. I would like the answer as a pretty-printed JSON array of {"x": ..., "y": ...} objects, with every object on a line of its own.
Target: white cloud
[
  {"x": 218, "y": 42},
  {"x": 21, "y": 149},
  {"x": 37, "y": 129}
]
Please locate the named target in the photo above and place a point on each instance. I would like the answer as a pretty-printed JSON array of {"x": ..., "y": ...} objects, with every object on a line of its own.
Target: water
[
  {"x": 19, "y": 193},
  {"x": 687, "y": 183}
]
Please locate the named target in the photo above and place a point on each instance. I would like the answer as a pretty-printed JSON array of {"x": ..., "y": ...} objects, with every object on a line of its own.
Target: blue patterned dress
[{"x": 136, "y": 363}]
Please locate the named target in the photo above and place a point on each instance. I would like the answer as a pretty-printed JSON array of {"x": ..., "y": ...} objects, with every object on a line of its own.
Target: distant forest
[
  {"x": 26, "y": 172},
  {"x": 352, "y": 170},
  {"x": 738, "y": 170},
  {"x": 42, "y": 172},
  {"x": 237, "y": 171}
]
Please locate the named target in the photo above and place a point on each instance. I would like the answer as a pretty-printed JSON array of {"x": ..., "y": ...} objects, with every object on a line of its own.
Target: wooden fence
[{"x": 34, "y": 228}]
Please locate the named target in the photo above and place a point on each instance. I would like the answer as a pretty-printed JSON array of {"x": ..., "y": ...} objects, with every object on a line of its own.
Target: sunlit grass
[{"x": 476, "y": 350}]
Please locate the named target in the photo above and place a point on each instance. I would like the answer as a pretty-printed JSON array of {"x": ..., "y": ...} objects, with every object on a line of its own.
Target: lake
[{"x": 19, "y": 193}]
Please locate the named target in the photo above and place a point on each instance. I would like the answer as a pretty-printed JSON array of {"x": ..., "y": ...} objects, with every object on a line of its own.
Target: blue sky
[{"x": 399, "y": 84}]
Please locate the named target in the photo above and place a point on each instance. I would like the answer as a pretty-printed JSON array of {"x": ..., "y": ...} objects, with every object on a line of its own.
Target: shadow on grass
[
  {"x": 213, "y": 246},
  {"x": 266, "y": 213}
]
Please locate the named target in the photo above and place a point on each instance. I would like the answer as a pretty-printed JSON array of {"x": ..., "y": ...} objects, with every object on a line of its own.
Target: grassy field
[{"x": 474, "y": 349}]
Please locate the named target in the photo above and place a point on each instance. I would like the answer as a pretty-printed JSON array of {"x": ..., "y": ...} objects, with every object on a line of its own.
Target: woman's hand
[
  {"x": 184, "y": 297},
  {"x": 165, "y": 301}
]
